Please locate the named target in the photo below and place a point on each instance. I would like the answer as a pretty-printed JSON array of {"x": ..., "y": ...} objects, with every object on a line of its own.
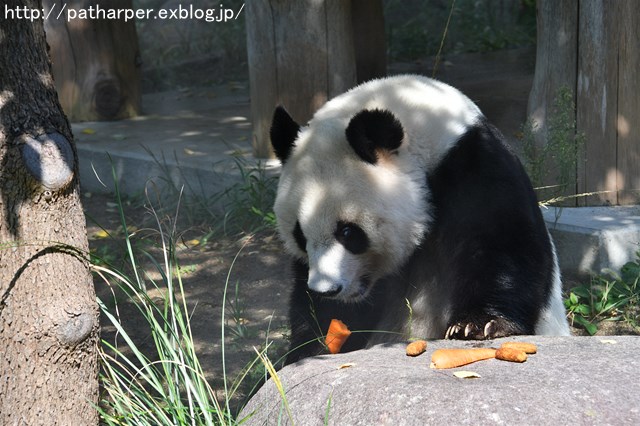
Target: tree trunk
[
  {"x": 96, "y": 62},
  {"x": 48, "y": 314}
]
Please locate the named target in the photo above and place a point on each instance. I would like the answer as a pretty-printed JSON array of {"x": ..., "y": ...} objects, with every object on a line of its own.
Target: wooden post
[
  {"x": 592, "y": 47},
  {"x": 596, "y": 99},
  {"x": 556, "y": 56},
  {"x": 628, "y": 117},
  {"x": 556, "y": 33},
  {"x": 369, "y": 39},
  {"x": 300, "y": 54},
  {"x": 96, "y": 63}
]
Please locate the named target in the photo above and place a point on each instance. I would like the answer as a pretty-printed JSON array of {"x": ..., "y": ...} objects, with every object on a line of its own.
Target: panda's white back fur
[{"x": 418, "y": 100}]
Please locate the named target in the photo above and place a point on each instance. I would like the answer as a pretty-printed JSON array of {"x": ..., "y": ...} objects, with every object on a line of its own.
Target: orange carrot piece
[
  {"x": 416, "y": 348},
  {"x": 451, "y": 358},
  {"x": 511, "y": 354},
  {"x": 528, "y": 348},
  {"x": 336, "y": 336}
]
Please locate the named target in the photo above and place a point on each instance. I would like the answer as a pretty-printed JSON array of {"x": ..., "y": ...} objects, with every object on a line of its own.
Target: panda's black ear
[
  {"x": 370, "y": 131},
  {"x": 283, "y": 133}
]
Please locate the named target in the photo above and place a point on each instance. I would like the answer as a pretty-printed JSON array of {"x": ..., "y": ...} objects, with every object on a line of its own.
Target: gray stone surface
[
  {"x": 571, "y": 380},
  {"x": 590, "y": 239}
]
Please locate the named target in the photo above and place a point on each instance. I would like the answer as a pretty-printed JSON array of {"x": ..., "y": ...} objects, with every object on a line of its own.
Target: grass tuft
[
  {"x": 611, "y": 296},
  {"x": 164, "y": 384}
]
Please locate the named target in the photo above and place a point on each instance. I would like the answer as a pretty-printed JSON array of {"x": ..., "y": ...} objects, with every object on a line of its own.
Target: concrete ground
[
  {"x": 195, "y": 137},
  {"x": 190, "y": 137}
]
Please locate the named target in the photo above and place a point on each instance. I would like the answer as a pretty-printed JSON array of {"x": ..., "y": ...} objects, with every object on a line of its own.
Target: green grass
[
  {"x": 613, "y": 296},
  {"x": 237, "y": 316},
  {"x": 164, "y": 383},
  {"x": 169, "y": 386},
  {"x": 244, "y": 207}
]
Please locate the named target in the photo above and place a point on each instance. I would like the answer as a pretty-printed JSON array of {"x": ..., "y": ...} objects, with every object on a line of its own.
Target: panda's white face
[{"x": 353, "y": 222}]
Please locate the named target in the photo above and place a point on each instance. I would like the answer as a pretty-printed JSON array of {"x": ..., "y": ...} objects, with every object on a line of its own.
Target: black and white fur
[{"x": 407, "y": 213}]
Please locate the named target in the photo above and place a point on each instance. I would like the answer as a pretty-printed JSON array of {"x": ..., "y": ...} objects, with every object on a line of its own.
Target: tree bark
[{"x": 48, "y": 314}]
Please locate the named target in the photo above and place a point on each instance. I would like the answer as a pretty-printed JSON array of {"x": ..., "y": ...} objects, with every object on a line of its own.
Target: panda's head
[{"x": 351, "y": 202}]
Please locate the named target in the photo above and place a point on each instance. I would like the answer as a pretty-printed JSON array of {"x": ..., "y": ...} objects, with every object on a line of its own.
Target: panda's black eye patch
[
  {"x": 352, "y": 237},
  {"x": 298, "y": 235}
]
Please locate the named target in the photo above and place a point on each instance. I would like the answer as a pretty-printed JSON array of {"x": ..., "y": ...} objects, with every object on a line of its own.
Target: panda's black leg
[{"x": 482, "y": 327}]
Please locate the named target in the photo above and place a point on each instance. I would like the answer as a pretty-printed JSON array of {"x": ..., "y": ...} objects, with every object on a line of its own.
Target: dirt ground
[{"x": 257, "y": 290}]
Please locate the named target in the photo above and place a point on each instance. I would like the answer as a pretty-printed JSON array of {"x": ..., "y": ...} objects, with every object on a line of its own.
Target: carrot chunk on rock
[
  {"x": 511, "y": 354},
  {"x": 528, "y": 348},
  {"x": 451, "y": 358},
  {"x": 336, "y": 336},
  {"x": 416, "y": 348}
]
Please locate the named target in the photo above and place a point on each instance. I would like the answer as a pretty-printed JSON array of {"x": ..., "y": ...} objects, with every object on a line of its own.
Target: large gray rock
[{"x": 571, "y": 380}]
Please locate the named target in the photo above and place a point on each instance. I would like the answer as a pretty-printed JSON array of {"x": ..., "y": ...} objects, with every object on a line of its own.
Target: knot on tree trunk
[
  {"x": 49, "y": 159},
  {"x": 107, "y": 99},
  {"x": 76, "y": 329}
]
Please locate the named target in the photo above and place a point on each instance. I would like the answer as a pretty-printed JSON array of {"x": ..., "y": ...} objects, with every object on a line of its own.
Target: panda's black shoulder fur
[{"x": 488, "y": 235}]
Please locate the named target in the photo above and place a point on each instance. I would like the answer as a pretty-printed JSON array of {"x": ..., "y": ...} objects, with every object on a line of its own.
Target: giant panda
[{"x": 407, "y": 214}]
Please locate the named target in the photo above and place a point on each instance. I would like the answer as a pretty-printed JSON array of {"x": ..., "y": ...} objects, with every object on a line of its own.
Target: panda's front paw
[{"x": 485, "y": 328}]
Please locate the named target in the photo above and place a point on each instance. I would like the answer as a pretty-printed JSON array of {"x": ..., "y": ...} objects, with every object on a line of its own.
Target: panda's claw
[
  {"x": 463, "y": 330},
  {"x": 469, "y": 330},
  {"x": 452, "y": 331},
  {"x": 490, "y": 329},
  {"x": 501, "y": 327},
  {"x": 482, "y": 329}
]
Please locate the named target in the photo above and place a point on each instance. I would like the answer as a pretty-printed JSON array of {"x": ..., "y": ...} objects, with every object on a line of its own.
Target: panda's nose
[
  {"x": 323, "y": 284},
  {"x": 331, "y": 292}
]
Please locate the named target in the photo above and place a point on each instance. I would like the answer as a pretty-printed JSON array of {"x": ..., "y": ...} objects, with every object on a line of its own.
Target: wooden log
[
  {"x": 628, "y": 117},
  {"x": 96, "y": 63},
  {"x": 300, "y": 54},
  {"x": 596, "y": 100},
  {"x": 261, "y": 54},
  {"x": 556, "y": 56},
  {"x": 341, "y": 59},
  {"x": 370, "y": 46}
]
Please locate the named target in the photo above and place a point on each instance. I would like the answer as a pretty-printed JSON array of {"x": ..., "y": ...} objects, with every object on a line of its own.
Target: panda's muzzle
[{"x": 335, "y": 272}]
